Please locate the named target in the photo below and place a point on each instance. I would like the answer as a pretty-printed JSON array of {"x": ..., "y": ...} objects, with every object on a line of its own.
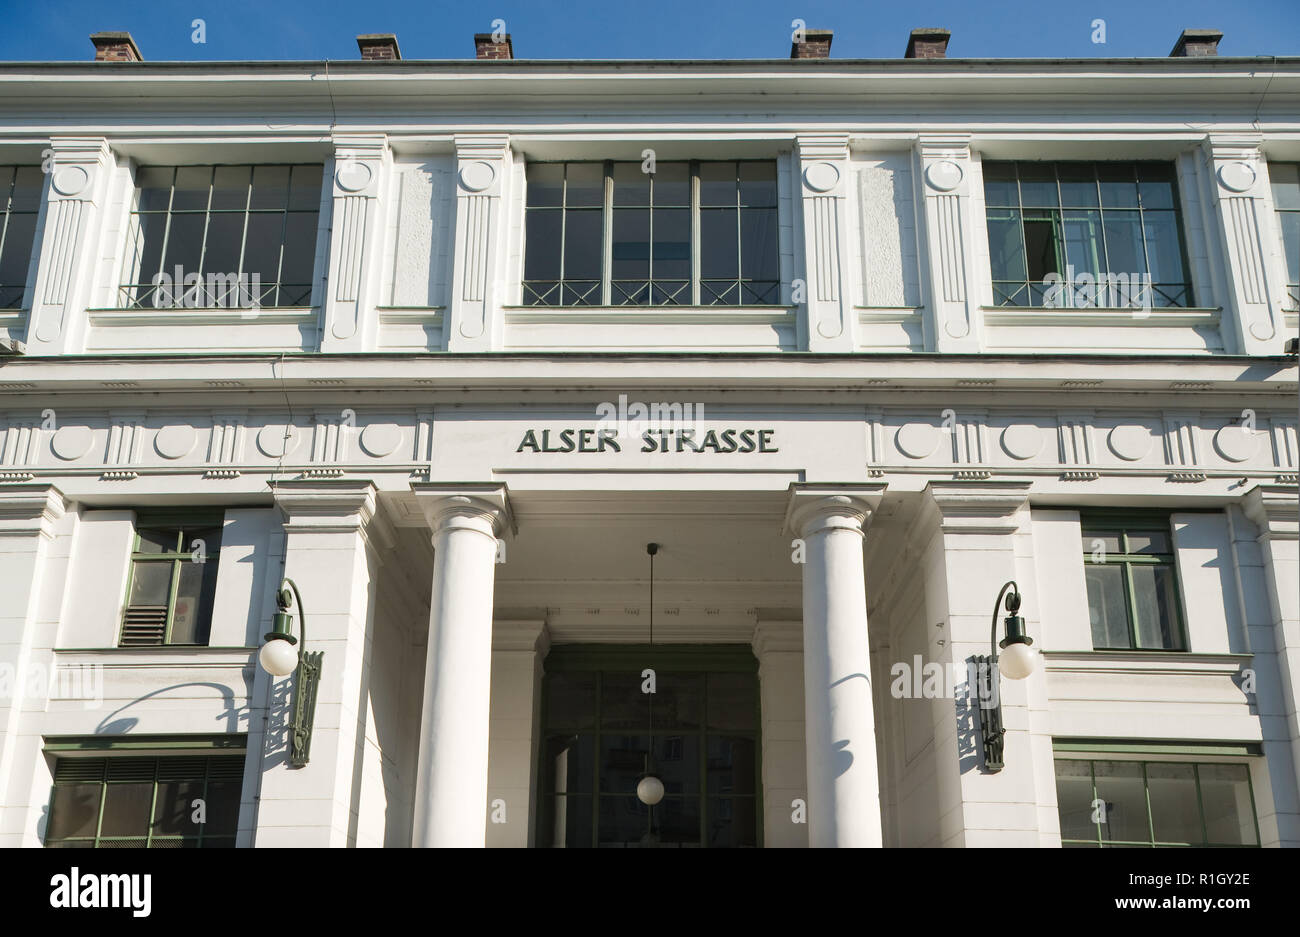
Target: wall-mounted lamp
[
  {"x": 1016, "y": 662},
  {"x": 280, "y": 656}
]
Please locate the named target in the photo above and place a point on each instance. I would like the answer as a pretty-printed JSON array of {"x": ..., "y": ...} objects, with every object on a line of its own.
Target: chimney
[
  {"x": 928, "y": 43},
  {"x": 379, "y": 47},
  {"x": 1195, "y": 42},
  {"x": 486, "y": 48},
  {"x": 816, "y": 45},
  {"x": 115, "y": 47}
]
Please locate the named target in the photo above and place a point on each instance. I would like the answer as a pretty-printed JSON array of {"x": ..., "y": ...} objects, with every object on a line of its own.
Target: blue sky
[{"x": 708, "y": 29}]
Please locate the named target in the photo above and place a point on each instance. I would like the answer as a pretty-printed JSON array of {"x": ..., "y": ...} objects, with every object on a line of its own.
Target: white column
[
  {"x": 362, "y": 164},
  {"x": 945, "y": 186},
  {"x": 452, "y": 772},
  {"x": 822, "y": 161},
  {"x": 778, "y": 645},
  {"x": 1248, "y": 239},
  {"x": 843, "y": 779}
]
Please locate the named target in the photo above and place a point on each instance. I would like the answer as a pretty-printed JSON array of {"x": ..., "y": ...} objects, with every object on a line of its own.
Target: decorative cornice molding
[
  {"x": 771, "y": 637},
  {"x": 1274, "y": 510},
  {"x": 27, "y": 509},
  {"x": 521, "y": 635},
  {"x": 324, "y": 505},
  {"x": 976, "y": 507}
]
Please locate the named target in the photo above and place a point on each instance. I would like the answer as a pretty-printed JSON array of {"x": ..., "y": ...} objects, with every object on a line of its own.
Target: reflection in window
[
  {"x": 20, "y": 204},
  {"x": 125, "y": 802},
  {"x": 1132, "y": 584},
  {"x": 704, "y": 746},
  {"x": 173, "y": 582},
  {"x": 1155, "y": 803},
  {"x": 1285, "y": 178},
  {"x": 690, "y": 233},
  {"x": 248, "y": 233},
  {"x": 1105, "y": 224}
]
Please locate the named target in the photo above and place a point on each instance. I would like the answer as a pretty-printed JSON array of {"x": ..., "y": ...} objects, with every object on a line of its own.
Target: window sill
[
  {"x": 1144, "y": 662},
  {"x": 199, "y": 316},
  {"x": 669, "y": 315},
  {"x": 1162, "y": 317}
]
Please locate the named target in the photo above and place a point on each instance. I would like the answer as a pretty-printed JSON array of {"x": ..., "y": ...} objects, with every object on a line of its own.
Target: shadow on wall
[
  {"x": 110, "y": 725},
  {"x": 966, "y": 705}
]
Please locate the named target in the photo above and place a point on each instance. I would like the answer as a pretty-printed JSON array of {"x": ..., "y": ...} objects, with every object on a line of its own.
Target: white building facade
[{"x": 447, "y": 344}]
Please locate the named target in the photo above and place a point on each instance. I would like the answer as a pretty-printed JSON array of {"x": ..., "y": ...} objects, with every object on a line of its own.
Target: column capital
[
  {"x": 815, "y": 507},
  {"x": 325, "y": 505},
  {"x": 976, "y": 507},
  {"x": 443, "y": 504},
  {"x": 30, "y": 509},
  {"x": 1275, "y": 510}
]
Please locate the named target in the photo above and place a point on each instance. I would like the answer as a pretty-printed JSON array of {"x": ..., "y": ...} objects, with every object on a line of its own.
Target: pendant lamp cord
[{"x": 652, "y": 644}]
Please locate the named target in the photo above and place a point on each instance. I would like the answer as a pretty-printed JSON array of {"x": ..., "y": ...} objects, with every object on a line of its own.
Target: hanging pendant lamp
[{"x": 650, "y": 790}]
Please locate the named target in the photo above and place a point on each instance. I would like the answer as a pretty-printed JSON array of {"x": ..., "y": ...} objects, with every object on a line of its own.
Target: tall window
[
  {"x": 173, "y": 581},
  {"x": 132, "y": 802},
  {"x": 598, "y": 739},
  {"x": 20, "y": 203},
  {"x": 249, "y": 233},
  {"x": 1155, "y": 803},
  {"x": 1285, "y": 178},
  {"x": 1132, "y": 584},
  {"x": 1117, "y": 221},
  {"x": 688, "y": 234}
]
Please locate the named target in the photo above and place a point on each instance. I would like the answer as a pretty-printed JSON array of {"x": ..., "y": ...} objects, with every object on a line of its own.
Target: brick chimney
[
  {"x": 485, "y": 48},
  {"x": 115, "y": 47},
  {"x": 1195, "y": 42},
  {"x": 379, "y": 47},
  {"x": 928, "y": 43},
  {"x": 816, "y": 45}
]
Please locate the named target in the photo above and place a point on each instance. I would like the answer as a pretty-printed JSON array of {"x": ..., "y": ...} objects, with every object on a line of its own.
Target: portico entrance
[{"x": 698, "y": 732}]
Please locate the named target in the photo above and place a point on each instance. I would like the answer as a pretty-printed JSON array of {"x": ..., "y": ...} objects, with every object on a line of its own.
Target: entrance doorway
[{"x": 698, "y": 732}]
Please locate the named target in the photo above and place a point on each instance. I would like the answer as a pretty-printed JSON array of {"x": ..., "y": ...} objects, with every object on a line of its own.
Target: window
[
  {"x": 20, "y": 203},
  {"x": 173, "y": 581},
  {"x": 123, "y": 802},
  {"x": 1133, "y": 598},
  {"x": 1285, "y": 178},
  {"x": 247, "y": 232},
  {"x": 597, "y": 736},
  {"x": 688, "y": 234},
  {"x": 1155, "y": 803},
  {"x": 1082, "y": 221}
]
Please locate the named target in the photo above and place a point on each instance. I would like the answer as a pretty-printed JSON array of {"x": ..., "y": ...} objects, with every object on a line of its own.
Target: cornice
[
  {"x": 1274, "y": 510},
  {"x": 27, "y": 509}
]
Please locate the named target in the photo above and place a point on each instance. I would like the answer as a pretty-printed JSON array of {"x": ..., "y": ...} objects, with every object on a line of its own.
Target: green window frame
[
  {"x": 691, "y": 233},
  {"x": 1104, "y": 219},
  {"x": 609, "y": 675},
  {"x": 126, "y": 800},
  {"x": 21, "y": 188},
  {"x": 172, "y": 582},
  {"x": 223, "y": 222},
  {"x": 1086, "y": 786},
  {"x": 1284, "y": 179},
  {"x": 1131, "y": 573}
]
